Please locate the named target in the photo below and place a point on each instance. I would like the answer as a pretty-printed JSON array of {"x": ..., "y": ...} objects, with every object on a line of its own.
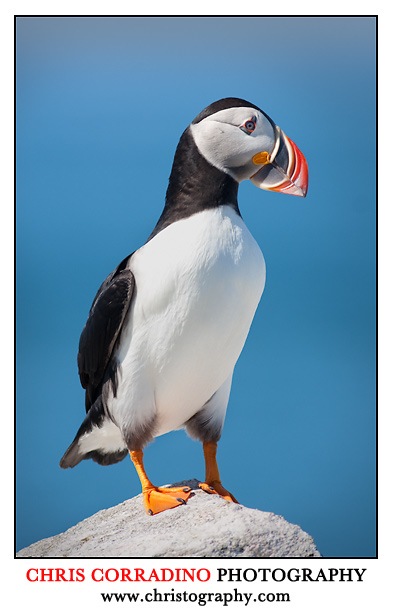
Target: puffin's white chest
[{"x": 198, "y": 283}]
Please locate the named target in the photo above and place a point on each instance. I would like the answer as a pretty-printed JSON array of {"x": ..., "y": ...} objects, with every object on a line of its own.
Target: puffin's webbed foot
[
  {"x": 159, "y": 499},
  {"x": 216, "y": 488},
  {"x": 213, "y": 483}
]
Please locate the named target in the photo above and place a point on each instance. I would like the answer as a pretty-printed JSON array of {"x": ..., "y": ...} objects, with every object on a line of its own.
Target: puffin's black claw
[
  {"x": 181, "y": 500},
  {"x": 150, "y": 512},
  {"x": 186, "y": 489}
]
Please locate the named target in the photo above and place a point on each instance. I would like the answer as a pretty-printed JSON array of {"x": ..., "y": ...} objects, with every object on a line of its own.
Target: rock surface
[{"x": 208, "y": 526}]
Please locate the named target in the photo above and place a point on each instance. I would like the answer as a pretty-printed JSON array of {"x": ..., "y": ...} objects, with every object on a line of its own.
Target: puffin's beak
[{"x": 284, "y": 170}]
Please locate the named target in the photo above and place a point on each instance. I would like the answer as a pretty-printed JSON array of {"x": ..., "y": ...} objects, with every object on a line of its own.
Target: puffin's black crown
[{"x": 223, "y": 104}]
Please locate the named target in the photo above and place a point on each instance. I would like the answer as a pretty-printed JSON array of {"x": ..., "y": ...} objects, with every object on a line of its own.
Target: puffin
[{"x": 167, "y": 326}]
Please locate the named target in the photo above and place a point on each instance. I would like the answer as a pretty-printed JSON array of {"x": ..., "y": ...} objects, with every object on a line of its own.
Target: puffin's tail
[
  {"x": 98, "y": 438},
  {"x": 73, "y": 456}
]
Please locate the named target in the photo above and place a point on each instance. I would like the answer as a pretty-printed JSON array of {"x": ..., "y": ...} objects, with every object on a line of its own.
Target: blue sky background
[{"x": 101, "y": 104}]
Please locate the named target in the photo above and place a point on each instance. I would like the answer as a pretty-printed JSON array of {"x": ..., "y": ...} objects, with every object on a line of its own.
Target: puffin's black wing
[{"x": 102, "y": 329}]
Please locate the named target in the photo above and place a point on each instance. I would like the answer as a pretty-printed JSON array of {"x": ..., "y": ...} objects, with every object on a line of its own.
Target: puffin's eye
[{"x": 249, "y": 125}]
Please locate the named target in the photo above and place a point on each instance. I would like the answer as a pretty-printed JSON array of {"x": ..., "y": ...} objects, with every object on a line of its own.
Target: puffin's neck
[{"x": 194, "y": 186}]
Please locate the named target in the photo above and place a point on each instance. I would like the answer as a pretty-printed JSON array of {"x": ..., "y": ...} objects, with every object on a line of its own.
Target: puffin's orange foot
[
  {"x": 216, "y": 488},
  {"x": 159, "y": 499}
]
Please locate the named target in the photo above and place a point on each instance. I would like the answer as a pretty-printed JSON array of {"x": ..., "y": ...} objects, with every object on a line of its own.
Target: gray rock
[{"x": 208, "y": 526}]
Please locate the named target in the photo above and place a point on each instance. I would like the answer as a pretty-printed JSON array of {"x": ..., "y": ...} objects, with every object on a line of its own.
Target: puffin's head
[{"x": 241, "y": 140}]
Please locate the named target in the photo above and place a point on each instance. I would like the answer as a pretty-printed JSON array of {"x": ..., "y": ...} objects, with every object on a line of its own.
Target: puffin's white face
[{"x": 246, "y": 144}]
